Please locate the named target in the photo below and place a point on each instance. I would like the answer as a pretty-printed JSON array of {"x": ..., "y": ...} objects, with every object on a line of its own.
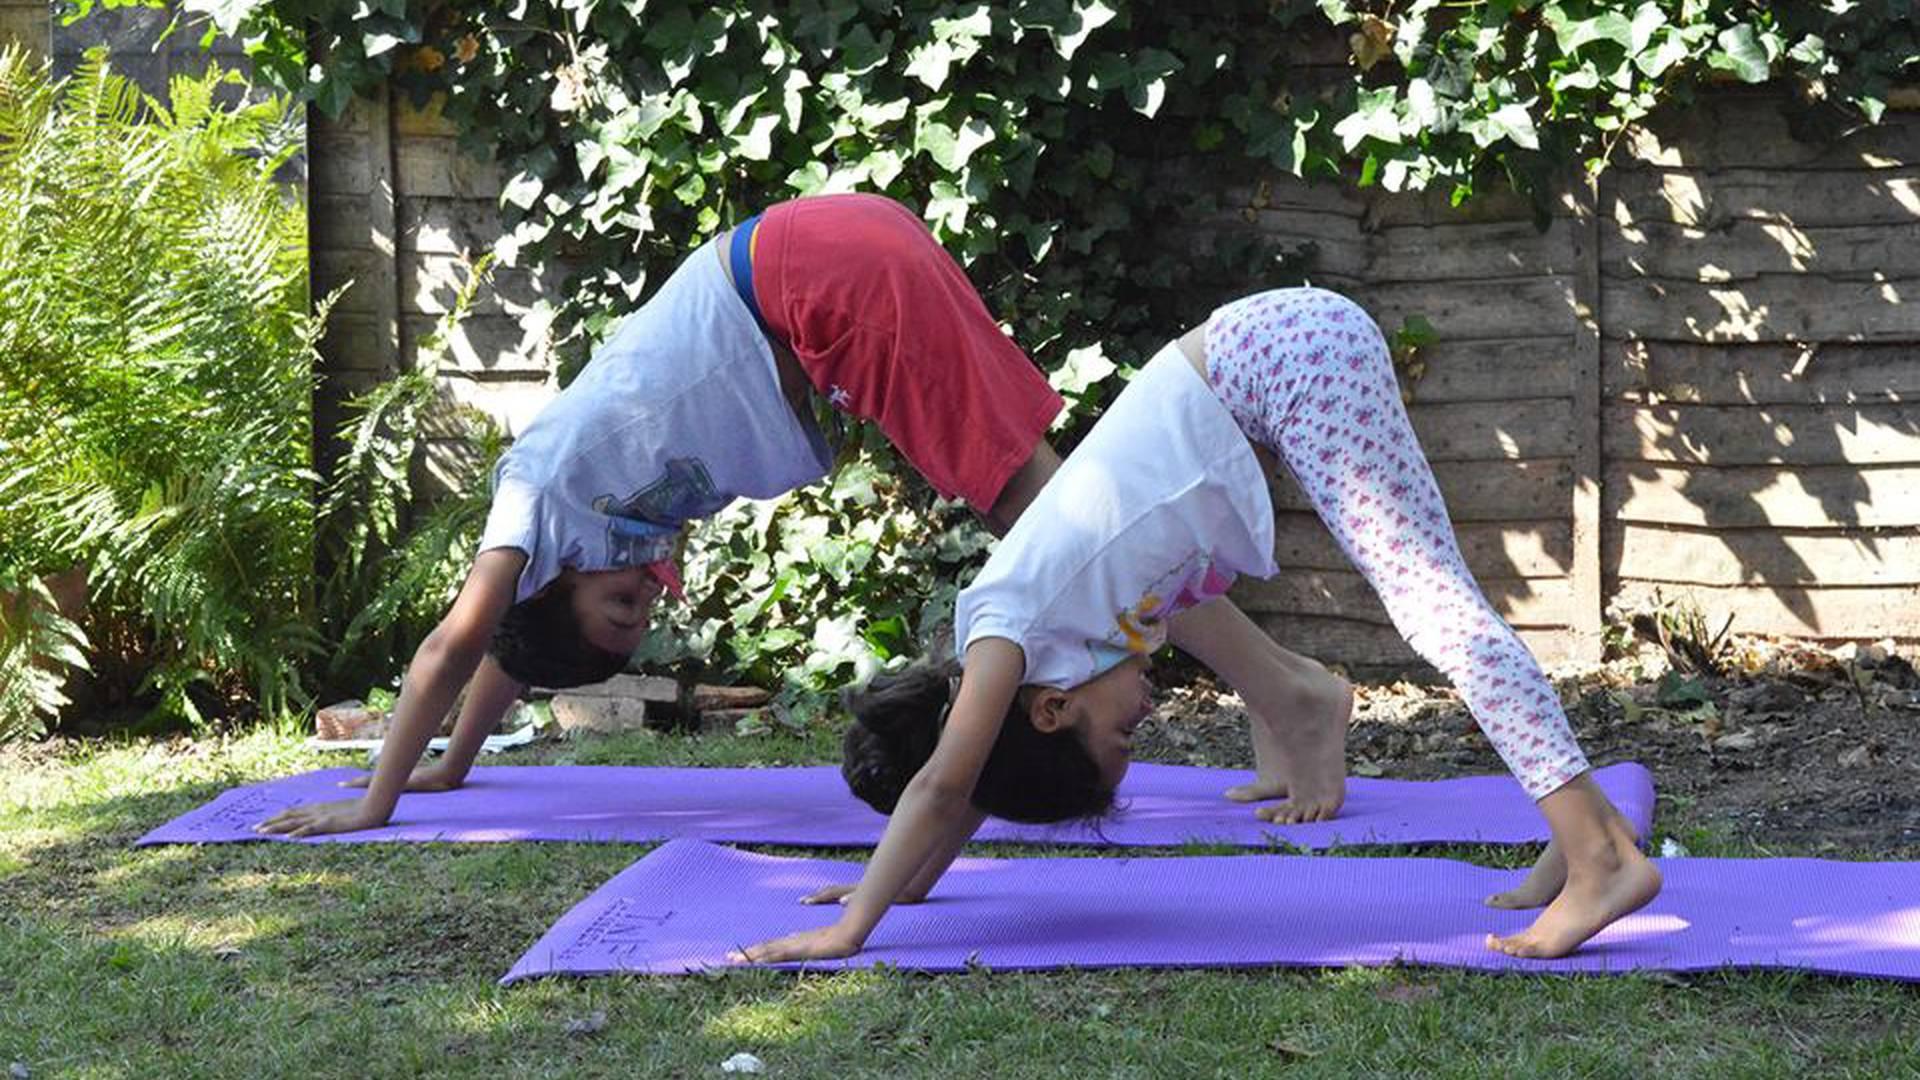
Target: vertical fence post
[
  {"x": 28, "y": 23},
  {"x": 1586, "y": 619}
]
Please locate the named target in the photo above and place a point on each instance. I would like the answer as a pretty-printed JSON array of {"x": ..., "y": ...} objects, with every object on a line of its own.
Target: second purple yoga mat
[
  {"x": 810, "y": 807},
  {"x": 682, "y": 907}
]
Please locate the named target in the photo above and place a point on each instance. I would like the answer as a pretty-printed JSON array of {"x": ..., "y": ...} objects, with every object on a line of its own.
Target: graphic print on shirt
[
  {"x": 1141, "y": 628},
  {"x": 641, "y": 528}
]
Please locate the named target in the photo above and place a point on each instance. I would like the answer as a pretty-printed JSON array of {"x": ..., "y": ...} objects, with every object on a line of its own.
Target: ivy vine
[{"x": 1070, "y": 153}]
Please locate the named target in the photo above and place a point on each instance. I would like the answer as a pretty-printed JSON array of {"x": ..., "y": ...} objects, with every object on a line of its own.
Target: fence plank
[
  {"x": 1458, "y": 370},
  {"x": 1733, "y": 130},
  {"x": 489, "y": 344},
  {"x": 1709, "y": 200},
  {"x": 1535, "y": 602},
  {"x": 1481, "y": 490},
  {"x": 1816, "y": 612},
  {"x": 1368, "y": 645},
  {"x": 1771, "y": 307},
  {"x": 1765, "y": 435},
  {"x": 1766, "y": 374},
  {"x": 1754, "y": 496},
  {"x": 1743, "y": 250},
  {"x": 1493, "y": 430},
  {"x": 1522, "y": 307},
  {"x": 1660, "y": 553},
  {"x": 1457, "y": 251},
  {"x": 1529, "y": 549}
]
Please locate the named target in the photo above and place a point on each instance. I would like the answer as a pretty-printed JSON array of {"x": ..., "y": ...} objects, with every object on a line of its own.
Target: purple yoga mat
[
  {"x": 681, "y": 908},
  {"x": 810, "y": 807}
]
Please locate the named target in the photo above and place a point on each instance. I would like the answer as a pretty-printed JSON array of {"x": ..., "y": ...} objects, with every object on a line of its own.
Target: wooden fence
[{"x": 1698, "y": 382}]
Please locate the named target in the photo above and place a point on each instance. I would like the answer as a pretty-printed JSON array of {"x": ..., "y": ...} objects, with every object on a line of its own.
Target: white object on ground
[
  {"x": 493, "y": 745},
  {"x": 1673, "y": 849},
  {"x": 743, "y": 1063}
]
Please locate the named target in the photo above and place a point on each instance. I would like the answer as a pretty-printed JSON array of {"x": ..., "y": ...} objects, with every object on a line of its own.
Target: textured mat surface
[
  {"x": 810, "y": 807},
  {"x": 682, "y": 907}
]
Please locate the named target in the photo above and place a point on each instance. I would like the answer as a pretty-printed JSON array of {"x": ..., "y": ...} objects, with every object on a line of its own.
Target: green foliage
[
  {"x": 390, "y": 565},
  {"x": 1070, "y": 153},
  {"x": 821, "y": 586},
  {"x": 37, "y": 644},
  {"x": 155, "y": 376}
]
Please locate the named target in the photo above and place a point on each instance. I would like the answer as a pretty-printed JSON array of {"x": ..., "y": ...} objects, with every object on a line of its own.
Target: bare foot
[
  {"x": 1315, "y": 748},
  {"x": 1271, "y": 762},
  {"x": 1263, "y": 788},
  {"x": 1543, "y": 883},
  {"x": 1612, "y": 880}
]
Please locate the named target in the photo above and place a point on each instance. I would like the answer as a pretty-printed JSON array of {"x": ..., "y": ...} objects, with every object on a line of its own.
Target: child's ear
[{"x": 1047, "y": 710}]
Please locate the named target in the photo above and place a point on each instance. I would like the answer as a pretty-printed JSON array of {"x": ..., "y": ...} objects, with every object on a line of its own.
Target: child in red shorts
[{"x": 701, "y": 397}]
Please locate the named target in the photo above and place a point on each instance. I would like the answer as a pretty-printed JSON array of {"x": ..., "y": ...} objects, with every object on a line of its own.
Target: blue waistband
[{"x": 740, "y": 257}]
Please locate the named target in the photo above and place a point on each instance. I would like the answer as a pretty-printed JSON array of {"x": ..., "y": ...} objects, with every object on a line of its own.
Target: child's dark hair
[
  {"x": 539, "y": 643},
  {"x": 1030, "y": 775}
]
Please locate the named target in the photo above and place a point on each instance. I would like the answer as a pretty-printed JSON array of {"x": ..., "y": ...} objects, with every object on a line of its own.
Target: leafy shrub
[
  {"x": 155, "y": 381},
  {"x": 1072, "y": 154}
]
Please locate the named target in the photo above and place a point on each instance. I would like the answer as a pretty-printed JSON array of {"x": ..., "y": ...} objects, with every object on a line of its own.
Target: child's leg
[
  {"x": 1297, "y": 711},
  {"x": 1308, "y": 370},
  {"x": 1342, "y": 432}
]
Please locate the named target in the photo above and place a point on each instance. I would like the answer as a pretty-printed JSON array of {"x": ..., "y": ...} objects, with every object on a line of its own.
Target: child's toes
[{"x": 1258, "y": 791}]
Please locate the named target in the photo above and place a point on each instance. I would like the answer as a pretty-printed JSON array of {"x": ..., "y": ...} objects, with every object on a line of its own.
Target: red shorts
[{"x": 888, "y": 328}]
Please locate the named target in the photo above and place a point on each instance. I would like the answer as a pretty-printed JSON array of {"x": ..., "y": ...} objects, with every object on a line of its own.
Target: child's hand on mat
[
  {"x": 837, "y": 894},
  {"x": 826, "y": 943},
  {"x": 432, "y": 777},
  {"x": 314, "y": 819}
]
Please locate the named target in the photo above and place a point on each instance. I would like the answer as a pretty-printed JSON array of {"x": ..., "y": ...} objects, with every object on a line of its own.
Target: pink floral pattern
[{"x": 1305, "y": 373}]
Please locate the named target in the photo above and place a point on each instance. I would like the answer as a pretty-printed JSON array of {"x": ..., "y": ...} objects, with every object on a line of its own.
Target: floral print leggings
[{"x": 1305, "y": 373}]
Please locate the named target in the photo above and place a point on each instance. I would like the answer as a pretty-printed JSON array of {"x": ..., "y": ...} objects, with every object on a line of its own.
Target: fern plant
[
  {"x": 156, "y": 367},
  {"x": 390, "y": 560}
]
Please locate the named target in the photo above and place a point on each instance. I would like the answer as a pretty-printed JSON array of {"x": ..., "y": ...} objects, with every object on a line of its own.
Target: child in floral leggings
[{"x": 1132, "y": 542}]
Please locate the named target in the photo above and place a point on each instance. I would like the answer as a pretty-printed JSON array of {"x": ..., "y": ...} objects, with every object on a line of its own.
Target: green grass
[{"x": 380, "y": 960}]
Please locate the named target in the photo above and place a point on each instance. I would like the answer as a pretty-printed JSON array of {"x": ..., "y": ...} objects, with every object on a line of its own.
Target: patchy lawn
[{"x": 380, "y": 960}]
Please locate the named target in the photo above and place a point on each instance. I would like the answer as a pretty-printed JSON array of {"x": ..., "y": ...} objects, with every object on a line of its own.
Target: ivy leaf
[
  {"x": 947, "y": 210},
  {"x": 1423, "y": 107},
  {"x": 1573, "y": 35},
  {"x": 791, "y": 101},
  {"x": 375, "y": 44},
  {"x": 1741, "y": 53},
  {"x": 228, "y": 15},
  {"x": 860, "y": 52},
  {"x": 757, "y": 143},
  {"x": 1373, "y": 117},
  {"x": 1671, "y": 50},
  {"x": 1087, "y": 18},
  {"x": 1083, "y": 368},
  {"x": 1513, "y": 121},
  {"x": 1149, "y": 80},
  {"x": 931, "y": 63},
  {"x": 1336, "y": 11},
  {"x": 1646, "y": 19},
  {"x": 883, "y": 166},
  {"x": 522, "y": 191},
  {"x": 808, "y": 178}
]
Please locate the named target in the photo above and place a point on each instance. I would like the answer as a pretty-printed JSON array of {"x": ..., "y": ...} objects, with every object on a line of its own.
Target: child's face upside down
[
  {"x": 614, "y": 607},
  {"x": 1103, "y": 710}
]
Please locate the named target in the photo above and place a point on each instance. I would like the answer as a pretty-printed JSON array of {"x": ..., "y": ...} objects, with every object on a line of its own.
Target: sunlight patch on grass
[
  {"x": 804, "y": 1012},
  {"x": 204, "y": 932}
]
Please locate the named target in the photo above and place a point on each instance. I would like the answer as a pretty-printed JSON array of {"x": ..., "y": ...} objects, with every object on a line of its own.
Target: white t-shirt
[
  {"x": 678, "y": 414},
  {"x": 1158, "y": 510}
]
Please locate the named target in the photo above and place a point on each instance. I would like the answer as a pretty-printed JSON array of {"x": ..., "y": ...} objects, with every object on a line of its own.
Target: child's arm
[
  {"x": 930, "y": 871},
  {"x": 924, "y": 822},
  {"x": 442, "y": 664},
  {"x": 490, "y": 693}
]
